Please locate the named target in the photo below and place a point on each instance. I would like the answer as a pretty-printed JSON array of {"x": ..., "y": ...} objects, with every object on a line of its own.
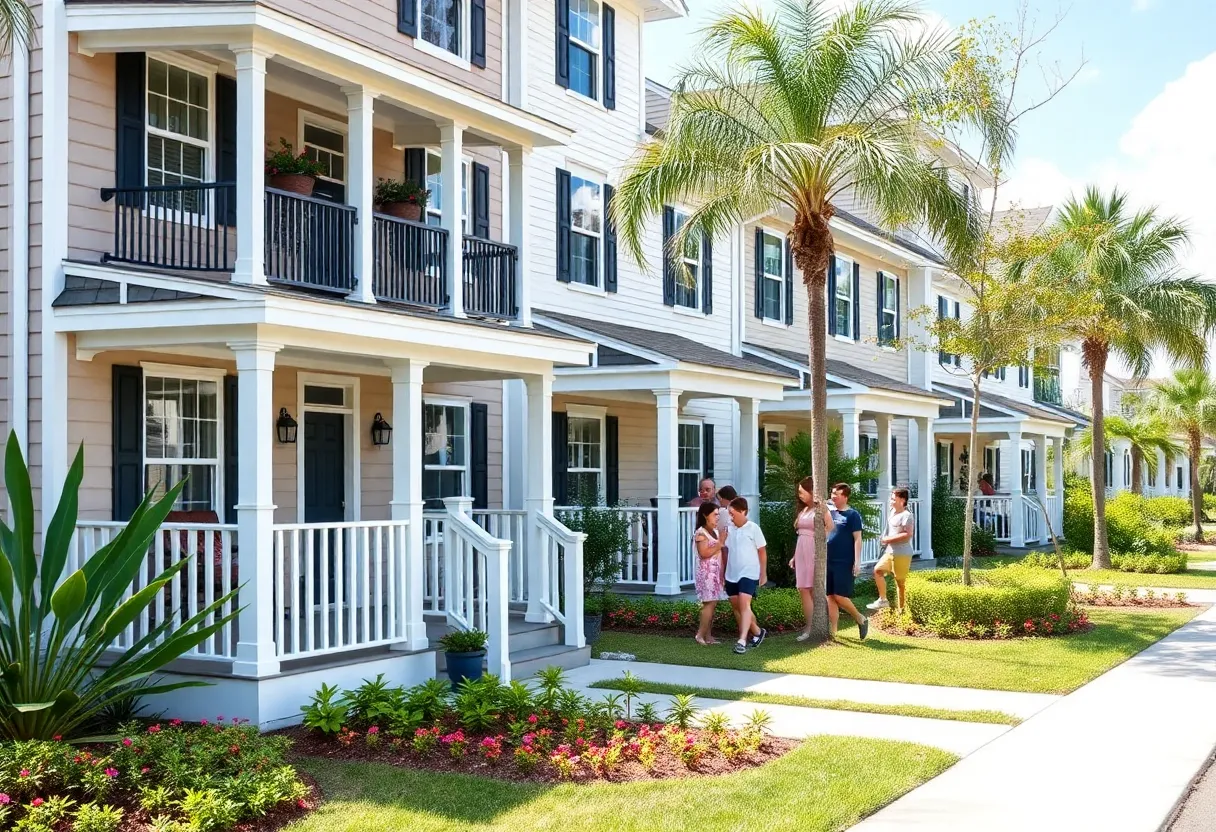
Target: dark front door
[{"x": 324, "y": 491}]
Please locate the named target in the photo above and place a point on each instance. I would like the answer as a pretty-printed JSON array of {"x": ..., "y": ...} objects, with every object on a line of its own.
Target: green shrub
[
  {"x": 1078, "y": 526},
  {"x": 1131, "y": 532},
  {"x": 1150, "y": 564},
  {"x": 1048, "y": 560},
  {"x": 464, "y": 641},
  {"x": 949, "y": 515},
  {"x": 1170, "y": 511},
  {"x": 1209, "y": 505},
  {"x": 775, "y": 609},
  {"x": 1010, "y": 595}
]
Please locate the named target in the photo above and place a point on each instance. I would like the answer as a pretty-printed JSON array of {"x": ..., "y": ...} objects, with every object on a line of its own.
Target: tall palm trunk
[
  {"x": 1095, "y": 353},
  {"x": 812, "y": 248},
  {"x": 1137, "y": 472},
  {"x": 1195, "y": 442},
  {"x": 969, "y": 510}
]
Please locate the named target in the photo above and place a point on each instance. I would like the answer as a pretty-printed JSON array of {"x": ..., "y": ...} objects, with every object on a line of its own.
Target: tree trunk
[
  {"x": 1137, "y": 473},
  {"x": 1196, "y": 448},
  {"x": 969, "y": 511},
  {"x": 812, "y": 248},
  {"x": 1095, "y": 360}
]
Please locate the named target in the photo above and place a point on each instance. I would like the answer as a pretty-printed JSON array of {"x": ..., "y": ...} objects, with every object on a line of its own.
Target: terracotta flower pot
[
  {"x": 403, "y": 210},
  {"x": 296, "y": 183}
]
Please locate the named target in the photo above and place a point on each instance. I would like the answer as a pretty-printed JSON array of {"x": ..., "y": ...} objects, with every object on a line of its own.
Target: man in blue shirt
[{"x": 844, "y": 560}]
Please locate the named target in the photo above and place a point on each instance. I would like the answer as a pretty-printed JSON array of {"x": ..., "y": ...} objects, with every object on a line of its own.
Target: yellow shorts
[{"x": 900, "y": 565}]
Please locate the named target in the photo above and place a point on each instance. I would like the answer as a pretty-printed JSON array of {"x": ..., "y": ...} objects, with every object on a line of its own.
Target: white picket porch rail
[{"x": 562, "y": 591}]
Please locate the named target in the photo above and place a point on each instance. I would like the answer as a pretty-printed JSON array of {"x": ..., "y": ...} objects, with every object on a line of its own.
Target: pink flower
[
  {"x": 219, "y": 718},
  {"x": 111, "y": 772},
  {"x": 126, "y": 742},
  {"x": 375, "y": 729},
  {"x": 301, "y": 803},
  {"x": 153, "y": 729},
  {"x": 143, "y": 770},
  {"x": 5, "y": 799},
  {"x": 175, "y": 722},
  {"x": 25, "y": 772},
  {"x": 57, "y": 737},
  {"x": 620, "y": 725},
  {"x": 532, "y": 719},
  {"x": 202, "y": 722},
  {"x": 37, "y": 801}
]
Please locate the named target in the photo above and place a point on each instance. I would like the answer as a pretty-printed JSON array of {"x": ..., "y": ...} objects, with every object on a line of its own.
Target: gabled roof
[
  {"x": 1013, "y": 407},
  {"x": 849, "y": 373}
]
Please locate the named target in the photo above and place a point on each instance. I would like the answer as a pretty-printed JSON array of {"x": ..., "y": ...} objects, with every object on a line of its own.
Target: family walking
[{"x": 733, "y": 558}]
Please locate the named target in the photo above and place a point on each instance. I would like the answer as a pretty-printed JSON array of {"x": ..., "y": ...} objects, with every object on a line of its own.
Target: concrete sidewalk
[{"x": 1116, "y": 755}]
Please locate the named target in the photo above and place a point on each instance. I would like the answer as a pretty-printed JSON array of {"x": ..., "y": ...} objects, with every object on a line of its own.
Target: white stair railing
[
  {"x": 476, "y": 592},
  {"x": 561, "y": 551},
  {"x": 509, "y": 524}
]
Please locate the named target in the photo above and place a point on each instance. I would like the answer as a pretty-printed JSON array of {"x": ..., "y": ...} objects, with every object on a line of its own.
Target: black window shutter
[
  {"x": 832, "y": 295},
  {"x": 129, "y": 143},
  {"x": 761, "y": 458},
  {"x": 669, "y": 267},
  {"x": 707, "y": 451},
  {"x": 898, "y": 322},
  {"x": 894, "y": 461},
  {"x": 562, "y": 17},
  {"x": 415, "y": 165},
  {"x": 563, "y": 225},
  {"x": 407, "y": 17},
  {"x": 479, "y": 463},
  {"x": 225, "y": 158},
  {"x": 612, "y": 467},
  {"x": 856, "y": 301},
  {"x": 759, "y": 288},
  {"x": 481, "y": 201},
  {"x": 560, "y": 458},
  {"x": 609, "y": 42},
  {"x": 789, "y": 283},
  {"x": 609, "y": 242},
  {"x": 958, "y": 315},
  {"x": 881, "y": 288},
  {"x": 127, "y": 399},
  {"x": 477, "y": 33},
  {"x": 232, "y": 471},
  {"x": 707, "y": 274}
]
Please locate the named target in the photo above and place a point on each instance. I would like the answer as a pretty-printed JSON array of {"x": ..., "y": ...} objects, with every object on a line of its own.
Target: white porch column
[
  {"x": 1012, "y": 476},
  {"x": 518, "y": 180},
  {"x": 850, "y": 425},
  {"x": 250, "y": 264},
  {"x": 924, "y": 476},
  {"x": 539, "y": 489},
  {"x": 748, "y": 468},
  {"x": 1057, "y": 479},
  {"x": 360, "y": 103},
  {"x": 884, "y": 461},
  {"x": 407, "y": 500},
  {"x": 1185, "y": 462},
  {"x": 1163, "y": 476},
  {"x": 920, "y": 361},
  {"x": 668, "y": 412},
  {"x": 1117, "y": 475},
  {"x": 451, "y": 145},
  {"x": 1040, "y": 467},
  {"x": 255, "y": 651}
]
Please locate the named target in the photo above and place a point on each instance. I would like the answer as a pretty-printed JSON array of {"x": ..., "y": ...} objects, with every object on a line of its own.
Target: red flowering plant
[
  {"x": 388, "y": 191},
  {"x": 286, "y": 162}
]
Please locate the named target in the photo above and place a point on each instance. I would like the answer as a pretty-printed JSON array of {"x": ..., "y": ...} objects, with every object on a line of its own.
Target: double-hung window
[
  {"x": 435, "y": 205},
  {"x": 585, "y": 457},
  {"x": 888, "y": 316},
  {"x": 774, "y": 437},
  {"x": 773, "y": 290},
  {"x": 586, "y": 230},
  {"x": 947, "y": 308},
  {"x": 690, "y": 461},
  {"x": 445, "y": 450},
  {"x": 326, "y": 145},
  {"x": 1150, "y": 473},
  {"x": 1029, "y": 471},
  {"x": 182, "y": 438},
  {"x": 585, "y": 47},
  {"x": 689, "y": 275},
  {"x": 441, "y": 23},
  {"x": 868, "y": 445},
  {"x": 1127, "y": 469},
  {"x": 842, "y": 304},
  {"x": 945, "y": 462},
  {"x": 179, "y": 134}
]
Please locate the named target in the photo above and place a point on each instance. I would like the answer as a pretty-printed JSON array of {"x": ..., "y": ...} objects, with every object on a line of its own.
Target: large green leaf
[
  {"x": 68, "y": 600},
  {"x": 30, "y": 707},
  {"x": 62, "y": 527},
  {"x": 21, "y": 497}
]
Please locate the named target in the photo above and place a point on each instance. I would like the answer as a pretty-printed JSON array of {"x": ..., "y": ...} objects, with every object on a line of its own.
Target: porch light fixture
[
  {"x": 287, "y": 427},
  {"x": 382, "y": 431}
]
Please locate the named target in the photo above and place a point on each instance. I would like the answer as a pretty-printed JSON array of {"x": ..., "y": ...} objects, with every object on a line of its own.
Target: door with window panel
[{"x": 584, "y": 448}]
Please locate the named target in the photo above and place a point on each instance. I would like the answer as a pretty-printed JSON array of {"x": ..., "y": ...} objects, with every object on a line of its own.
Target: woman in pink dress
[
  {"x": 711, "y": 567},
  {"x": 808, "y": 509}
]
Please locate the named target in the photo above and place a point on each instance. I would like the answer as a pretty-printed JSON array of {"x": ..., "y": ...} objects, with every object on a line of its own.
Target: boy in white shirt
[
  {"x": 746, "y": 572},
  {"x": 897, "y": 559}
]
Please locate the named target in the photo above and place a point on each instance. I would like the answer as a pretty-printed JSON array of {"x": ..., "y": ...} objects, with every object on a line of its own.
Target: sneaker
[
  {"x": 803, "y": 636},
  {"x": 864, "y": 628},
  {"x": 756, "y": 640},
  {"x": 740, "y": 647},
  {"x": 880, "y": 604}
]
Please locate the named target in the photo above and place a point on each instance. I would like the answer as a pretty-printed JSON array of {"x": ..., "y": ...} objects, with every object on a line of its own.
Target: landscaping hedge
[
  {"x": 776, "y": 609},
  {"x": 1007, "y": 595},
  {"x": 1148, "y": 564},
  {"x": 1130, "y": 528},
  {"x": 1172, "y": 512}
]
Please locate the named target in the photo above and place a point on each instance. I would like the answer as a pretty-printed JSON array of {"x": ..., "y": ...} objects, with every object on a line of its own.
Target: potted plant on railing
[
  {"x": 404, "y": 199},
  {"x": 608, "y": 544},
  {"x": 291, "y": 171},
  {"x": 465, "y": 649}
]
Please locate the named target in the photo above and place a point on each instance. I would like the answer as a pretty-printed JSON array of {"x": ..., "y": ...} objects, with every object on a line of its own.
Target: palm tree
[
  {"x": 1186, "y": 403},
  {"x": 1146, "y": 434},
  {"x": 16, "y": 25},
  {"x": 1119, "y": 270},
  {"x": 788, "y": 112}
]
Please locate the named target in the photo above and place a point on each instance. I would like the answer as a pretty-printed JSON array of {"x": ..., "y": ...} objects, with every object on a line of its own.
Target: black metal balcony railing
[
  {"x": 309, "y": 241},
  {"x": 174, "y": 226},
  {"x": 489, "y": 278},
  {"x": 410, "y": 262},
  {"x": 1047, "y": 387}
]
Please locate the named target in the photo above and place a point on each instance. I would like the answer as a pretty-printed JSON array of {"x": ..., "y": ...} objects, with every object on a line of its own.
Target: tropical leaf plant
[{"x": 55, "y": 629}]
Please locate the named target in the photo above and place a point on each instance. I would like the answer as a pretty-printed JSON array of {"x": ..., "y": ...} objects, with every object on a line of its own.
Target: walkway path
[{"x": 1115, "y": 755}]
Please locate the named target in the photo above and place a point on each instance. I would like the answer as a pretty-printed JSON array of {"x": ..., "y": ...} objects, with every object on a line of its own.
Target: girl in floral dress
[{"x": 711, "y": 567}]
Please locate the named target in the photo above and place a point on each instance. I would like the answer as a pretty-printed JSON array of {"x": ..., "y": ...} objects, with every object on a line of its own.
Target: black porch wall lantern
[
  {"x": 287, "y": 427},
  {"x": 382, "y": 431}
]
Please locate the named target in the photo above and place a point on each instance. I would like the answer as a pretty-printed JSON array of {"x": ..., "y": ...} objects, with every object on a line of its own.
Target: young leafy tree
[
  {"x": 788, "y": 112},
  {"x": 1145, "y": 433},
  {"x": 1186, "y": 403}
]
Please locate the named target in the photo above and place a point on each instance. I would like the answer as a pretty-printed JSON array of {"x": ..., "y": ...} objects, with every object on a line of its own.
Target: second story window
[
  {"x": 586, "y": 49},
  {"x": 586, "y": 216},
  {"x": 842, "y": 303},
  {"x": 584, "y": 46},
  {"x": 947, "y": 308},
  {"x": 437, "y": 203},
  {"x": 773, "y": 277},
  {"x": 442, "y": 23},
  {"x": 690, "y": 259},
  {"x": 888, "y": 309},
  {"x": 178, "y": 131}
]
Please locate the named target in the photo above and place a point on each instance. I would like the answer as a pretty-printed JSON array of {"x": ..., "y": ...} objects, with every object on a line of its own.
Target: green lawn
[
  {"x": 1188, "y": 579},
  {"x": 924, "y": 711},
  {"x": 1043, "y": 665},
  {"x": 828, "y": 783}
]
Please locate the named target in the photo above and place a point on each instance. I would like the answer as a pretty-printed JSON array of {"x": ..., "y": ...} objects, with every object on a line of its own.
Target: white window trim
[
  {"x": 597, "y": 58},
  {"x": 699, "y": 424},
  {"x": 209, "y": 72},
  {"x": 466, "y": 165},
  {"x": 600, "y": 414},
  {"x": 885, "y": 309},
  {"x": 780, "y": 238},
  {"x": 602, "y": 180},
  {"x": 179, "y": 371},
  {"x": 466, "y": 28},
  {"x": 463, "y": 403},
  {"x": 875, "y": 462},
  {"x": 353, "y": 435},
  {"x": 844, "y": 258},
  {"x": 948, "y": 473},
  {"x": 698, "y": 262},
  {"x": 334, "y": 126}
]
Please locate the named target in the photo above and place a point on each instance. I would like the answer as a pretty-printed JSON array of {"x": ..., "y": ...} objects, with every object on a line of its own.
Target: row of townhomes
[{"x": 381, "y": 419}]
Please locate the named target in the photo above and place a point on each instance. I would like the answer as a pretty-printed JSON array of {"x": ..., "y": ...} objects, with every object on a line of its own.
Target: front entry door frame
[{"x": 350, "y": 409}]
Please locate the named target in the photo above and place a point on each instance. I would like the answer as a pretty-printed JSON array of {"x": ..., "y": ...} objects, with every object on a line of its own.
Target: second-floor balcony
[{"x": 1047, "y": 387}]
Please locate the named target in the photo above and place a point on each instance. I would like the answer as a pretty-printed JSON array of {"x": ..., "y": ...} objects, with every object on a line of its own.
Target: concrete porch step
[
  {"x": 525, "y": 663},
  {"x": 533, "y": 647}
]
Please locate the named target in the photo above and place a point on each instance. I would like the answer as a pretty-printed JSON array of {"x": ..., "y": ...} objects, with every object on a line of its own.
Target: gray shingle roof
[
  {"x": 866, "y": 225},
  {"x": 850, "y": 372},
  {"x": 1022, "y": 408},
  {"x": 675, "y": 347}
]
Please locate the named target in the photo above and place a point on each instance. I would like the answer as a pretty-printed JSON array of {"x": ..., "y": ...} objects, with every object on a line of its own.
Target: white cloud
[{"x": 1143, "y": 5}]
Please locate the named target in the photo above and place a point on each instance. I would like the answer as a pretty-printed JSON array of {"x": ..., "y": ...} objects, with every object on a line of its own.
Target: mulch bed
[
  {"x": 667, "y": 764},
  {"x": 895, "y": 630}
]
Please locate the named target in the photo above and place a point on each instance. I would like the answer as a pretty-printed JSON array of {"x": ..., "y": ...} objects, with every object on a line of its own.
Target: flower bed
[
  {"x": 547, "y": 734},
  {"x": 1162, "y": 563},
  {"x": 1129, "y": 597},
  {"x": 779, "y": 610},
  {"x": 1001, "y": 602},
  {"x": 167, "y": 777},
  {"x": 1072, "y": 620}
]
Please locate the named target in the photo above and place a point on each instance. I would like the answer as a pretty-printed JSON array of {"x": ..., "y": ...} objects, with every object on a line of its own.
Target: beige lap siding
[
  {"x": 899, "y": 429},
  {"x": 90, "y": 422}
]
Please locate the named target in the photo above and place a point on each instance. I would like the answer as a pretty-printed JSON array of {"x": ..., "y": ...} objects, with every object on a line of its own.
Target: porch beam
[
  {"x": 668, "y": 418},
  {"x": 360, "y": 107},
  {"x": 407, "y": 500},
  {"x": 250, "y": 267},
  {"x": 538, "y": 490}
]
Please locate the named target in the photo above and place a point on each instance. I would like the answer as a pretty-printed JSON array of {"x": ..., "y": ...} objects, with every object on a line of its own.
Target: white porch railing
[
  {"x": 339, "y": 586},
  {"x": 1032, "y": 521},
  {"x": 993, "y": 514},
  {"x": 512, "y": 525},
  {"x": 209, "y": 575},
  {"x": 1055, "y": 509},
  {"x": 640, "y": 564},
  {"x": 686, "y": 520},
  {"x": 475, "y": 591},
  {"x": 561, "y": 553}
]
